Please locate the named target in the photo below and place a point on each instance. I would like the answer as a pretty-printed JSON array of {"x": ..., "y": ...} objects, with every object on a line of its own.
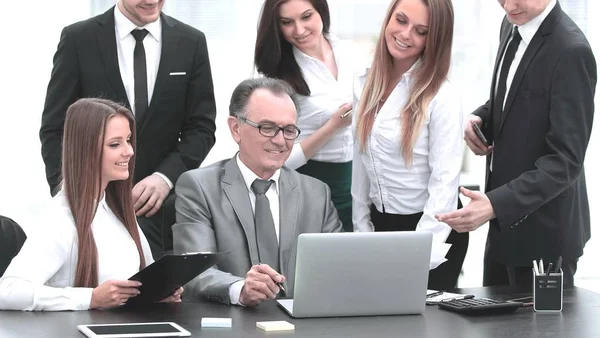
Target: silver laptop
[{"x": 360, "y": 274}]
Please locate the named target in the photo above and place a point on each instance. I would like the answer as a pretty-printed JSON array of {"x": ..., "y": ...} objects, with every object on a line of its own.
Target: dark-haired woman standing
[{"x": 294, "y": 44}]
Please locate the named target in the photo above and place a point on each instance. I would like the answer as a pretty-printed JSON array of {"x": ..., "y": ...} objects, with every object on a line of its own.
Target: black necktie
[
  {"x": 140, "y": 78},
  {"x": 509, "y": 56},
  {"x": 266, "y": 238}
]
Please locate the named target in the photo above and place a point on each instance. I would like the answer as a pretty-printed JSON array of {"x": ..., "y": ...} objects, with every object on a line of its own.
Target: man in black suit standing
[
  {"x": 159, "y": 67},
  {"x": 537, "y": 123}
]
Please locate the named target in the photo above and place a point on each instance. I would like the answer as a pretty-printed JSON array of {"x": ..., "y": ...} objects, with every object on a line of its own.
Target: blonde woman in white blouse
[
  {"x": 408, "y": 145},
  {"x": 89, "y": 243},
  {"x": 294, "y": 44}
]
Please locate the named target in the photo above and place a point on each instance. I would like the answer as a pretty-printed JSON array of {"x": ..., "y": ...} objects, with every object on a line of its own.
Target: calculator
[{"x": 480, "y": 306}]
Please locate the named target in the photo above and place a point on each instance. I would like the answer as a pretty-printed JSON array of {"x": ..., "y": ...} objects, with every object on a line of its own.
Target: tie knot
[
  {"x": 139, "y": 34},
  {"x": 515, "y": 35},
  {"x": 260, "y": 187}
]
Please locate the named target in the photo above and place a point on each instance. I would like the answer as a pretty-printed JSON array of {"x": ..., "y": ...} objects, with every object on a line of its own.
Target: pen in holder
[{"x": 548, "y": 292}]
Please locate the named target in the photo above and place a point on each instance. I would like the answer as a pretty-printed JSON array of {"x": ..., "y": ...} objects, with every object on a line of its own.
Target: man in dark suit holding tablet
[{"x": 538, "y": 121}]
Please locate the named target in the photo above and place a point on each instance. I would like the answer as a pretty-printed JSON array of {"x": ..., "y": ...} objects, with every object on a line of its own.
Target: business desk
[{"x": 580, "y": 318}]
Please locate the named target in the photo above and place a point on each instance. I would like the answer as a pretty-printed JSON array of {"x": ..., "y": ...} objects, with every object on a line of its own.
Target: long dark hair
[
  {"x": 273, "y": 54},
  {"x": 83, "y": 138}
]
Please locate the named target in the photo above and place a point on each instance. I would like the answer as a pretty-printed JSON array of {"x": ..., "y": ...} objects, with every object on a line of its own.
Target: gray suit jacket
[{"x": 214, "y": 214}]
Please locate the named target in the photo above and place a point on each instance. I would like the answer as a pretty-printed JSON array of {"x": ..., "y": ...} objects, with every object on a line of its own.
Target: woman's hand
[
  {"x": 342, "y": 117},
  {"x": 174, "y": 298},
  {"x": 114, "y": 293}
]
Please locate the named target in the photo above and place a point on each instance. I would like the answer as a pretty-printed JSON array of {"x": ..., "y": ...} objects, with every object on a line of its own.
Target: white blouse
[
  {"x": 326, "y": 95},
  {"x": 41, "y": 276},
  {"x": 382, "y": 178}
]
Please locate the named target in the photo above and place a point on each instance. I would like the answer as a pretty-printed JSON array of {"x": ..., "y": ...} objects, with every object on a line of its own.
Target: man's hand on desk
[
  {"x": 260, "y": 285},
  {"x": 149, "y": 194},
  {"x": 476, "y": 213},
  {"x": 473, "y": 141}
]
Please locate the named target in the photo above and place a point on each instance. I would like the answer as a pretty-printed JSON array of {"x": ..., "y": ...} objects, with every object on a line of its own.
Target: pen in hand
[{"x": 280, "y": 286}]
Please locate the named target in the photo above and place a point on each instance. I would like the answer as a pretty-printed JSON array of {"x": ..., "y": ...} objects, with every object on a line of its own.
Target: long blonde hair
[{"x": 429, "y": 75}]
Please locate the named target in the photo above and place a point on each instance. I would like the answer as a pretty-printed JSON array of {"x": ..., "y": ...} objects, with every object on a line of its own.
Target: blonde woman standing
[{"x": 408, "y": 133}]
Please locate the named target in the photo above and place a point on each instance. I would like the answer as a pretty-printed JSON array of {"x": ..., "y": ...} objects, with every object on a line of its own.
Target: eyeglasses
[{"x": 290, "y": 132}]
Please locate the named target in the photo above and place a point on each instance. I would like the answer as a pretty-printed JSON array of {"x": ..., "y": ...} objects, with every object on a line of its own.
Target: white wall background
[{"x": 230, "y": 26}]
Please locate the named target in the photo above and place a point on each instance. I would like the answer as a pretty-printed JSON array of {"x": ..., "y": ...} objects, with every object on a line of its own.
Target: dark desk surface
[{"x": 581, "y": 310}]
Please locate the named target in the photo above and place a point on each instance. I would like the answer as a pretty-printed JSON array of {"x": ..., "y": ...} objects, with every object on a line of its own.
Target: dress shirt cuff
[
  {"x": 169, "y": 183},
  {"x": 235, "y": 290},
  {"x": 438, "y": 254},
  {"x": 82, "y": 297},
  {"x": 59, "y": 299},
  {"x": 440, "y": 231},
  {"x": 364, "y": 227},
  {"x": 297, "y": 157}
]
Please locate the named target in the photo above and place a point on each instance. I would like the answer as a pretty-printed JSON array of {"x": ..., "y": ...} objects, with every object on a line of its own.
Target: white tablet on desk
[{"x": 162, "y": 329}]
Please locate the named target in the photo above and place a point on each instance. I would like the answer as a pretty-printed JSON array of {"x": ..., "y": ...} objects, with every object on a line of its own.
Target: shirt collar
[
  {"x": 124, "y": 26},
  {"x": 528, "y": 30},
  {"x": 249, "y": 176},
  {"x": 300, "y": 56},
  {"x": 408, "y": 77},
  {"x": 62, "y": 194}
]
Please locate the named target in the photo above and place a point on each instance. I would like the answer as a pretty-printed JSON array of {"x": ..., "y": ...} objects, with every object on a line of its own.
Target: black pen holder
[{"x": 548, "y": 292}]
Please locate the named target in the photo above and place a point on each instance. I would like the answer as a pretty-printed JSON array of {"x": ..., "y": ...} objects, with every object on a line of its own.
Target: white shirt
[
  {"x": 272, "y": 195},
  {"x": 527, "y": 31},
  {"x": 125, "y": 46},
  {"x": 327, "y": 94},
  {"x": 381, "y": 177},
  {"x": 42, "y": 274}
]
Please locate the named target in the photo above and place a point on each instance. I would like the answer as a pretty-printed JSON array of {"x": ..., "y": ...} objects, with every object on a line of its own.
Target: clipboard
[{"x": 170, "y": 272}]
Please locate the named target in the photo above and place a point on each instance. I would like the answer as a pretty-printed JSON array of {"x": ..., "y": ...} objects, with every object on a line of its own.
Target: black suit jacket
[
  {"x": 537, "y": 185},
  {"x": 176, "y": 132}
]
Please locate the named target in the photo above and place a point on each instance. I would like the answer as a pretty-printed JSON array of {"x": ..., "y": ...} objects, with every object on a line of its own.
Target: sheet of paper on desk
[
  {"x": 280, "y": 325},
  {"x": 438, "y": 254},
  {"x": 441, "y": 297}
]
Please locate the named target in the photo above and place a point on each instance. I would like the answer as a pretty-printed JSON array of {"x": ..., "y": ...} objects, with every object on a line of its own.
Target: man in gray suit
[{"x": 220, "y": 208}]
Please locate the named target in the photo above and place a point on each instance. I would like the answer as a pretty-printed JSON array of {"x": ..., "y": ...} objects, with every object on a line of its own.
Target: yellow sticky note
[{"x": 281, "y": 325}]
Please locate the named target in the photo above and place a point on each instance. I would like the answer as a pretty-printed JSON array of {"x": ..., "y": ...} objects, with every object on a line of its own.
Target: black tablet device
[{"x": 161, "y": 278}]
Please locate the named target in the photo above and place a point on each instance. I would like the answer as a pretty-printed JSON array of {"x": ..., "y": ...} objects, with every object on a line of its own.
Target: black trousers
[
  {"x": 495, "y": 274},
  {"x": 443, "y": 277}
]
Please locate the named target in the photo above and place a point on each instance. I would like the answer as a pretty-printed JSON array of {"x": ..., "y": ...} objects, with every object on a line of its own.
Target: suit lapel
[
  {"x": 237, "y": 193},
  {"x": 530, "y": 53},
  {"x": 534, "y": 46},
  {"x": 494, "y": 114},
  {"x": 107, "y": 41},
  {"x": 288, "y": 216},
  {"x": 170, "y": 41}
]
